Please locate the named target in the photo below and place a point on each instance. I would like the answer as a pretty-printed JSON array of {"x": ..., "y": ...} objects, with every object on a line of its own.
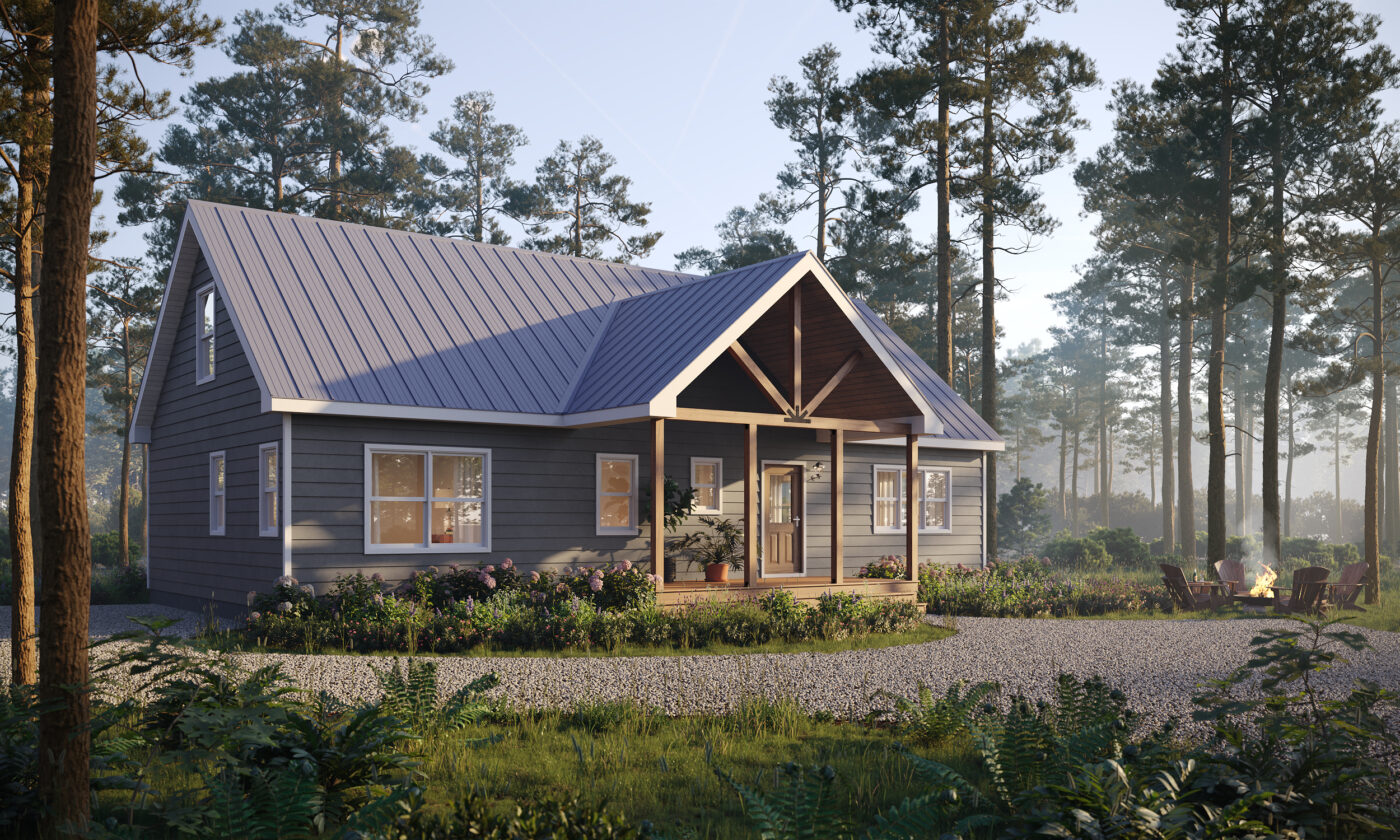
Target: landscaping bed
[
  {"x": 498, "y": 609},
  {"x": 1031, "y": 588}
]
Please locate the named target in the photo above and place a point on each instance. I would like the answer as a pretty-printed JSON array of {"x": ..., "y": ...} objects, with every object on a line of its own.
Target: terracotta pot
[{"x": 717, "y": 573}]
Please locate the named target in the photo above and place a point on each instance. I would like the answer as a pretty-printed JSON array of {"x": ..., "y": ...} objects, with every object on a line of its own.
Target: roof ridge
[
  {"x": 694, "y": 279},
  {"x": 582, "y": 371},
  {"x": 472, "y": 242}
]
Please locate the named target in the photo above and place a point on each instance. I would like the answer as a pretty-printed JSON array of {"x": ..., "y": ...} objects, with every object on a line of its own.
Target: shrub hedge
[{"x": 1030, "y": 589}]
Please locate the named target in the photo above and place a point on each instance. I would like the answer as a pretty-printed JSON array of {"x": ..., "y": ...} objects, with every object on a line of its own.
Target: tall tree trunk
[
  {"x": 1241, "y": 483},
  {"x": 1371, "y": 524},
  {"x": 1185, "y": 488},
  {"x": 24, "y": 664},
  {"x": 943, "y": 327},
  {"x": 1064, "y": 448},
  {"x": 1273, "y": 539},
  {"x": 1105, "y": 458},
  {"x": 1337, "y": 477},
  {"x": 1390, "y": 471},
  {"x": 989, "y": 301},
  {"x": 1164, "y": 418},
  {"x": 1287, "y": 523},
  {"x": 1074, "y": 488},
  {"x": 1219, "y": 305},
  {"x": 124, "y": 495},
  {"x": 64, "y": 739}
]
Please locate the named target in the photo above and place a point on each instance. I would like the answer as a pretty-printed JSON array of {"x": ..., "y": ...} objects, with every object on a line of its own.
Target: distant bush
[
  {"x": 106, "y": 549},
  {"x": 109, "y": 585},
  {"x": 1124, "y": 547},
  {"x": 1023, "y": 517},
  {"x": 1029, "y": 589},
  {"x": 1080, "y": 554}
]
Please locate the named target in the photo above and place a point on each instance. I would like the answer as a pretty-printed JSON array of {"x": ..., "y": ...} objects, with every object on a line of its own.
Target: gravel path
[
  {"x": 110, "y": 619},
  {"x": 1158, "y": 663}
]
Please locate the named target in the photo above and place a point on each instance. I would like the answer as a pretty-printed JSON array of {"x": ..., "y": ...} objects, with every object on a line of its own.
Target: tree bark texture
[
  {"x": 64, "y": 738},
  {"x": 943, "y": 328},
  {"x": 1390, "y": 470},
  {"x": 1164, "y": 418},
  {"x": 1219, "y": 304},
  {"x": 1273, "y": 376},
  {"x": 989, "y": 321},
  {"x": 1185, "y": 486},
  {"x": 1371, "y": 523}
]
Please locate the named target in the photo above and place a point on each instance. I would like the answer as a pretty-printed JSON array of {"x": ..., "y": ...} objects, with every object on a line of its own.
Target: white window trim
[
  {"x": 598, "y": 494},
  {"x": 217, "y": 496},
  {"x": 718, "y": 485},
  {"x": 199, "y": 334},
  {"x": 427, "y": 546},
  {"x": 875, "y": 471},
  {"x": 264, "y": 505}
]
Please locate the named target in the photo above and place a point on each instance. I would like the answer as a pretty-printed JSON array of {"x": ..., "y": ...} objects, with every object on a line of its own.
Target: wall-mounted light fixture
[{"x": 818, "y": 469}]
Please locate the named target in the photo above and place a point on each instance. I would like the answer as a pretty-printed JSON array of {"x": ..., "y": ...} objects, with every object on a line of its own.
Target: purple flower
[
  {"x": 534, "y": 577},
  {"x": 595, "y": 583},
  {"x": 507, "y": 563},
  {"x": 378, "y": 600}
]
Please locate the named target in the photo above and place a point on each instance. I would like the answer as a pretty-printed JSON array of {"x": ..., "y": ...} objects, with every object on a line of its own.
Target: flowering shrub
[
  {"x": 1029, "y": 589},
  {"x": 578, "y": 608},
  {"x": 889, "y": 567}
]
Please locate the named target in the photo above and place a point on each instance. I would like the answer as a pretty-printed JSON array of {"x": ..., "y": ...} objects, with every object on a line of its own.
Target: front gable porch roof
[{"x": 340, "y": 318}]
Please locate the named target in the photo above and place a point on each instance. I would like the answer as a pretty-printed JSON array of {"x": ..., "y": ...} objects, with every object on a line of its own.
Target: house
[{"x": 324, "y": 398}]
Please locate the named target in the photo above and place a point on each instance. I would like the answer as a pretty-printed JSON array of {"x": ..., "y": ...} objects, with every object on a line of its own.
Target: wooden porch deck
[{"x": 806, "y": 589}]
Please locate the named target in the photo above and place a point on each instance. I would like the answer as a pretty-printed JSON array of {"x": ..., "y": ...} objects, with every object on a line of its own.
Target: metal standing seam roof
[{"x": 341, "y": 313}]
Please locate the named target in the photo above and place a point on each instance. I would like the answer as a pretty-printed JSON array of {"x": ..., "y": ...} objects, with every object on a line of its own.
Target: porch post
[
  {"x": 911, "y": 500},
  {"x": 838, "y": 503},
  {"x": 658, "y": 501},
  {"x": 750, "y": 502}
]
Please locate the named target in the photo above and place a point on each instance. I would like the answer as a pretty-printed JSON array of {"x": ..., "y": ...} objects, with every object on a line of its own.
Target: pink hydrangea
[
  {"x": 595, "y": 583},
  {"x": 255, "y": 616},
  {"x": 534, "y": 577},
  {"x": 651, "y": 578},
  {"x": 507, "y": 563},
  {"x": 490, "y": 582},
  {"x": 560, "y": 587},
  {"x": 489, "y": 569},
  {"x": 625, "y": 565}
]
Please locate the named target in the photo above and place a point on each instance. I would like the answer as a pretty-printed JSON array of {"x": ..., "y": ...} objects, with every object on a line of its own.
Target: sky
[{"x": 676, "y": 93}]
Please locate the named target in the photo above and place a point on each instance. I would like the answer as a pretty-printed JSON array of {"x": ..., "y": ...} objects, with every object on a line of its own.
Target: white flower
[
  {"x": 285, "y": 580},
  {"x": 284, "y": 606}
]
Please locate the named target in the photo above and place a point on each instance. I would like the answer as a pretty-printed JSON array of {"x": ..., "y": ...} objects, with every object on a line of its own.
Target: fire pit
[
  {"x": 1253, "y": 600},
  {"x": 1260, "y": 595}
]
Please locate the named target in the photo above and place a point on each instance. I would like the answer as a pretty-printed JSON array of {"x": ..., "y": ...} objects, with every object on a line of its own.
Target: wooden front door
[{"x": 782, "y": 519}]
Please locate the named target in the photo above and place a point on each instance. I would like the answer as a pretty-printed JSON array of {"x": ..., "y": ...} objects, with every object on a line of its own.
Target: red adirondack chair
[
  {"x": 1185, "y": 598},
  {"x": 1231, "y": 573},
  {"x": 1307, "y": 593},
  {"x": 1342, "y": 594}
]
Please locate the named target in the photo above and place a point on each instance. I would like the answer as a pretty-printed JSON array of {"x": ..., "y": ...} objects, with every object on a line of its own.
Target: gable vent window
[
  {"x": 218, "y": 493},
  {"x": 204, "y": 335},
  {"x": 267, "y": 494},
  {"x": 434, "y": 499}
]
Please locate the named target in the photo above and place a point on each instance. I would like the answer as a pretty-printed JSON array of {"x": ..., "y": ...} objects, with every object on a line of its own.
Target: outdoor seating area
[{"x": 1310, "y": 593}]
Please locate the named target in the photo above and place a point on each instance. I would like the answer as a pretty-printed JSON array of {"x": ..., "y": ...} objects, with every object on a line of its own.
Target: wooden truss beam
[
  {"x": 743, "y": 418},
  {"x": 761, "y": 379},
  {"x": 831, "y": 384}
]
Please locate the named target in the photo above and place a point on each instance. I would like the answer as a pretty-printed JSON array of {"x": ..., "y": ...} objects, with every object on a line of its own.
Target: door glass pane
[
  {"x": 396, "y": 522},
  {"x": 779, "y": 498},
  {"x": 457, "y": 522},
  {"x": 615, "y": 512},
  {"x": 615, "y": 476},
  {"x": 457, "y": 476},
  {"x": 398, "y": 474}
]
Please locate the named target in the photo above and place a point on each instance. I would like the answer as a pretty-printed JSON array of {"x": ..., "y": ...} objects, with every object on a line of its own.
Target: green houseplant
[{"x": 718, "y": 549}]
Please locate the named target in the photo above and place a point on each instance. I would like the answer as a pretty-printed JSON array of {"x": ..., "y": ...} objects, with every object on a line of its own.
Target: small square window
[{"x": 707, "y": 480}]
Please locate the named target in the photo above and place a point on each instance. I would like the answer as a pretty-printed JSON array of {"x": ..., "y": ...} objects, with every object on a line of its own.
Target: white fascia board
[
  {"x": 931, "y": 424},
  {"x": 664, "y": 403},
  {"x": 457, "y": 415},
  {"x": 232, "y": 314},
  {"x": 932, "y": 442},
  {"x": 167, "y": 325}
]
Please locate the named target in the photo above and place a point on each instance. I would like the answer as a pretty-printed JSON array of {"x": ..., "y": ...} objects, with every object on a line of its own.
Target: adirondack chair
[
  {"x": 1231, "y": 573},
  {"x": 1217, "y": 595},
  {"x": 1307, "y": 593},
  {"x": 1342, "y": 594}
]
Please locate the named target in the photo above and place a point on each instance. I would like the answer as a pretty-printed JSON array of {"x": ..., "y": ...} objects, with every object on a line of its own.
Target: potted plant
[{"x": 718, "y": 549}]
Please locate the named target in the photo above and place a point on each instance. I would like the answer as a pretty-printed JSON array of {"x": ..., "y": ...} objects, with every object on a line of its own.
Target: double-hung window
[
  {"x": 218, "y": 493},
  {"x": 934, "y": 508},
  {"x": 267, "y": 490},
  {"x": 204, "y": 335},
  {"x": 617, "y": 495},
  {"x": 706, "y": 480},
  {"x": 427, "y": 499}
]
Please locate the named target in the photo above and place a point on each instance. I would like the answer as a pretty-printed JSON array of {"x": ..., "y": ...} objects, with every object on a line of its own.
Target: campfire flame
[{"x": 1262, "y": 581}]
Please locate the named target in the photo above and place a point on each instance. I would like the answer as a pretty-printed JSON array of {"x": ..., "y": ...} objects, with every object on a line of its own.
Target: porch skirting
[{"x": 805, "y": 589}]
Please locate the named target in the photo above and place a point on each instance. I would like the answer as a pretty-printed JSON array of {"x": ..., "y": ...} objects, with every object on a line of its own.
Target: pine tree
[
  {"x": 746, "y": 236},
  {"x": 481, "y": 188},
  {"x": 580, "y": 205}
]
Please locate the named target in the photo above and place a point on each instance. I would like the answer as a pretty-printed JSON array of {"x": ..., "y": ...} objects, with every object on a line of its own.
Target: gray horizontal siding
[
  {"x": 543, "y": 493},
  {"x": 188, "y": 565}
]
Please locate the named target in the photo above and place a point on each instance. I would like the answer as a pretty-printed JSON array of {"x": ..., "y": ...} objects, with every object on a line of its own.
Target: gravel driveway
[{"x": 1158, "y": 663}]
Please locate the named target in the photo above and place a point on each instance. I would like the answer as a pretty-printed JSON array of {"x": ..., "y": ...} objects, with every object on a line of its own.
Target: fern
[
  {"x": 798, "y": 808},
  {"x": 932, "y": 720},
  {"x": 411, "y": 695}
]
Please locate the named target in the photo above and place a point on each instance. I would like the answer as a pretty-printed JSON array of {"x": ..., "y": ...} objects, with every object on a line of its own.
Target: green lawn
[{"x": 660, "y": 769}]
